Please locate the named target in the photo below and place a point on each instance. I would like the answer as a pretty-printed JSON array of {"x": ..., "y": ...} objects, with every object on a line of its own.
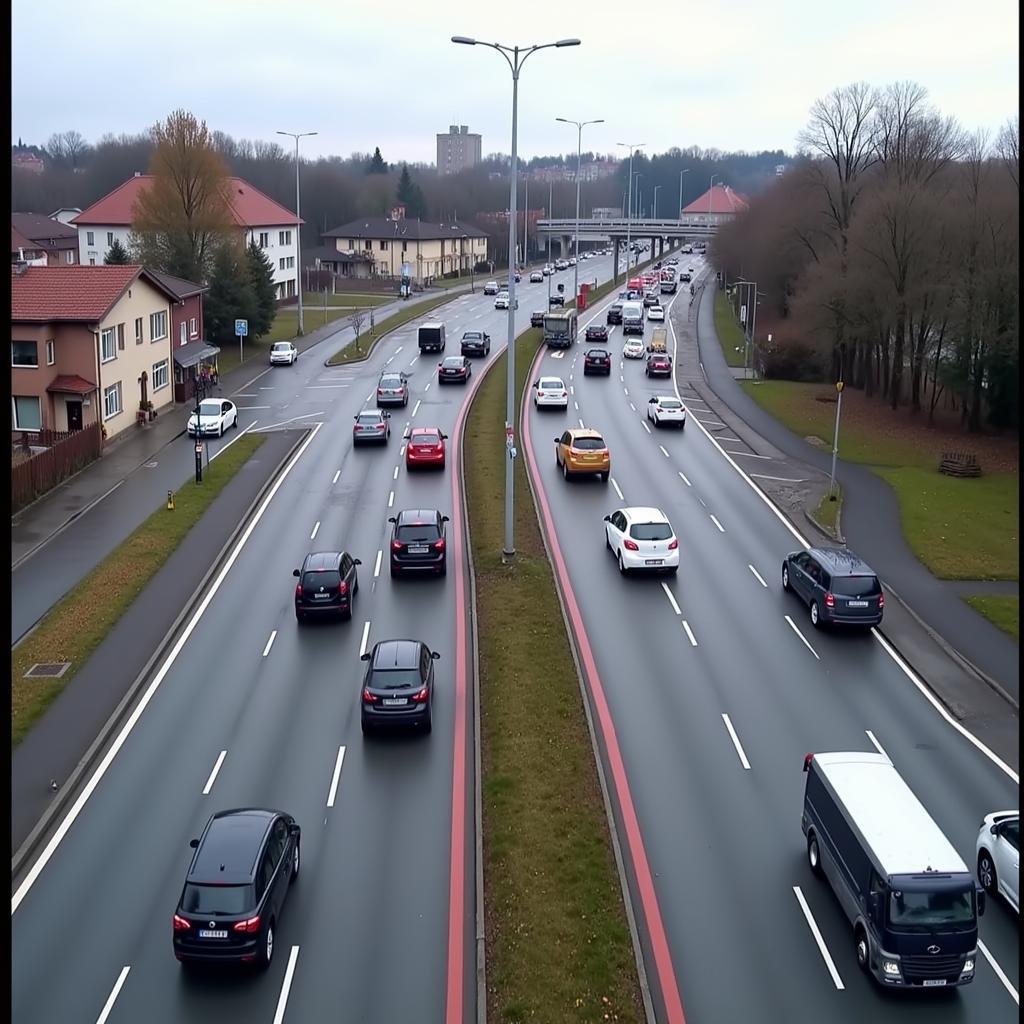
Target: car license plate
[
  {"x": 858, "y": 604},
  {"x": 655, "y": 561},
  {"x": 395, "y": 702},
  {"x": 321, "y": 597},
  {"x": 219, "y": 933},
  {"x": 934, "y": 982},
  {"x": 417, "y": 549}
]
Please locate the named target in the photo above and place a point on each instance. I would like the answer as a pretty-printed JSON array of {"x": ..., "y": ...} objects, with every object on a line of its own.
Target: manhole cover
[
  {"x": 50, "y": 670},
  {"x": 151, "y": 465}
]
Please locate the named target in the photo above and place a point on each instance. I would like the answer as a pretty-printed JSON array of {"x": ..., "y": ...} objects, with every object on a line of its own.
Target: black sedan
[
  {"x": 327, "y": 585},
  {"x": 398, "y": 688},
  {"x": 614, "y": 313},
  {"x": 454, "y": 370},
  {"x": 556, "y": 300},
  {"x": 659, "y": 365},
  {"x": 597, "y": 360},
  {"x": 418, "y": 542},
  {"x": 597, "y": 332},
  {"x": 537, "y": 318},
  {"x": 476, "y": 343}
]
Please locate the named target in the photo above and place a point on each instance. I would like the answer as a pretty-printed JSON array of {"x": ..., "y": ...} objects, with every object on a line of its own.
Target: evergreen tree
[
  {"x": 231, "y": 295},
  {"x": 410, "y": 195},
  {"x": 261, "y": 275},
  {"x": 377, "y": 163},
  {"x": 117, "y": 255}
]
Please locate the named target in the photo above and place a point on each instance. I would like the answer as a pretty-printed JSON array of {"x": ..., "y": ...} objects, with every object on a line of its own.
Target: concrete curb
[
  {"x": 835, "y": 534},
  {"x": 70, "y": 785}
]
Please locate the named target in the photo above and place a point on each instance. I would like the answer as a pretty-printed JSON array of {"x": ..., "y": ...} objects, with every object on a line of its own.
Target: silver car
[{"x": 371, "y": 425}]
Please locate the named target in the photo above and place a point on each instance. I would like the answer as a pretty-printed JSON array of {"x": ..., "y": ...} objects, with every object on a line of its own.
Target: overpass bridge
[{"x": 657, "y": 231}]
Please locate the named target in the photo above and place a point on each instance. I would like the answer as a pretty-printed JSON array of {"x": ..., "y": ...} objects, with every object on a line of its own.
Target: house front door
[{"x": 74, "y": 414}]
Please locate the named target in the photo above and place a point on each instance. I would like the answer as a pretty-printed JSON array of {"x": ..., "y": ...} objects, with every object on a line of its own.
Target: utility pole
[
  {"x": 580, "y": 125},
  {"x": 835, "y": 434},
  {"x": 298, "y": 222}
]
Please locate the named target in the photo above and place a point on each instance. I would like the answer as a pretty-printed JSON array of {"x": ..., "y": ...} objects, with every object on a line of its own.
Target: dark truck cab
[{"x": 431, "y": 337}]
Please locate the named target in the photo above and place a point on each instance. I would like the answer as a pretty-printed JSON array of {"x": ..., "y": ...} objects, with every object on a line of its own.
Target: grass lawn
[
  {"x": 76, "y": 626},
  {"x": 827, "y": 512},
  {"x": 1002, "y": 611},
  {"x": 727, "y": 327},
  {"x": 348, "y": 299}
]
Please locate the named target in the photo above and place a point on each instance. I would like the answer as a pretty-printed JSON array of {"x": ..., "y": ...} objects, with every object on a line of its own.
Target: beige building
[
  {"x": 458, "y": 150},
  {"x": 425, "y": 250},
  {"x": 88, "y": 344}
]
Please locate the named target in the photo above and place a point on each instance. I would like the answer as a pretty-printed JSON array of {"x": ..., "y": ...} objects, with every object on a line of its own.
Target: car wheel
[
  {"x": 267, "y": 947},
  {"x": 604, "y": 476},
  {"x": 607, "y": 542},
  {"x": 785, "y": 577},
  {"x": 673, "y": 570},
  {"x": 622, "y": 567},
  {"x": 815, "y": 616},
  {"x": 295, "y": 861},
  {"x": 299, "y": 617},
  {"x": 428, "y": 724},
  {"x": 220, "y": 430},
  {"x": 814, "y": 854},
  {"x": 987, "y": 873},
  {"x": 860, "y": 939},
  {"x": 565, "y": 470},
  {"x": 235, "y": 422},
  {"x": 444, "y": 568},
  {"x": 366, "y": 727}
]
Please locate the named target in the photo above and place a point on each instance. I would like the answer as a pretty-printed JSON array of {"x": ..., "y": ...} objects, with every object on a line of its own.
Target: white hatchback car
[
  {"x": 215, "y": 416},
  {"x": 642, "y": 539},
  {"x": 998, "y": 850},
  {"x": 491, "y": 288},
  {"x": 656, "y": 313},
  {"x": 550, "y": 392},
  {"x": 283, "y": 353},
  {"x": 501, "y": 302},
  {"x": 634, "y": 349},
  {"x": 663, "y": 410}
]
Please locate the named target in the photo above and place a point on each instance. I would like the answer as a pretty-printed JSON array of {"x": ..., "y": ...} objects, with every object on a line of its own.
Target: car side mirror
[
  {"x": 295, "y": 572},
  {"x": 652, "y": 401},
  {"x": 994, "y": 829},
  {"x": 406, "y": 436},
  {"x": 980, "y": 896},
  {"x": 293, "y": 829},
  {"x": 536, "y": 383},
  {"x": 444, "y": 519},
  {"x": 438, "y": 364},
  {"x": 392, "y": 519},
  {"x": 444, "y": 437},
  {"x": 364, "y": 657},
  {"x": 356, "y": 416},
  {"x": 607, "y": 519},
  {"x": 558, "y": 440},
  {"x": 357, "y": 561},
  {"x": 434, "y": 655},
  {"x": 194, "y": 843}
]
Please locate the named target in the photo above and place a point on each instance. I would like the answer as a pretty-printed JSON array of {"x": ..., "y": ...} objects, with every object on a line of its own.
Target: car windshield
[
  {"x": 426, "y": 437},
  {"x": 217, "y": 899},
  {"x": 453, "y": 362},
  {"x": 282, "y": 346},
  {"x": 926, "y": 911},
  {"x": 588, "y": 444},
  {"x": 472, "y": 336},
  {"x": 396, "y": 679},
  {"x": 650, "y": 531},
  {"x": 426, "y": 532},
  {"x": 597, "y": 353},
  {"x": 551, "y": 383},
  {"x": 371, "y": 419},
  {"x": 329, "y": 578},
  {"x": 209, "y": 407},
  {"x": 856, "y": 586},
  {"x": 670, "y": 403},
  {"x": 393, "y": 381}
]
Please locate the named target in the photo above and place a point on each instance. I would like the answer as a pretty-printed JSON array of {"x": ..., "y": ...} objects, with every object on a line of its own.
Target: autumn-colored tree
[{"x": 185, "y": 211}]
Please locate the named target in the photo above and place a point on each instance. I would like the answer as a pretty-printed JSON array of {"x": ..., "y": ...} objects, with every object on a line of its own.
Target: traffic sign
[
  {"x": 509, "y": 435},
  {"x": 199, "y": 447},
  {"x": 242, "y": 328},
  {"x": 839, "y": 386}
]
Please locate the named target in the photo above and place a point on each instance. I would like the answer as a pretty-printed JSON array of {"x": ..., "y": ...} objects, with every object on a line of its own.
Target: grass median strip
[
  {"x": 79, "y": 623},
  {"x": 1003, "y": 612},
  {"x": 557, "y": 937},
  {"x": 727, "y": 327}
]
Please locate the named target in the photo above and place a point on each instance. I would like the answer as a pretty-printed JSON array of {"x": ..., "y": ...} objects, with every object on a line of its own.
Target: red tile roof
[
  {"x": 71, "y": 293},
  {"x": 251, "y": 208},
  {"x": 719, "y": 199},
  {"x": 71, "y": 384}
]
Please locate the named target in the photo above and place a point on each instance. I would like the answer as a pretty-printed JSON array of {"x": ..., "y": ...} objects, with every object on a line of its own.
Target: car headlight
[
  {"x": 891, "y": 968},
  {"x": 968, "y": 966}
]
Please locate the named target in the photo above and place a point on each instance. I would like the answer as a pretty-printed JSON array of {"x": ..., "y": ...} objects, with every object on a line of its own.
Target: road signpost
[
  {"x": 242, "y": 330},
  {"x": 199, "y": 458}
]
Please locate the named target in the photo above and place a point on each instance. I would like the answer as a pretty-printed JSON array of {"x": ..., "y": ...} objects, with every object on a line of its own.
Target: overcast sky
[{"x": 363, "y": 73}]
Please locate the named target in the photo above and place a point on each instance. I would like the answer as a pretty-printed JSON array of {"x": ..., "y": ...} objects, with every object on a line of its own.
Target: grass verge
[
  {"x": 1003, "y": 612},
  {"x": 366, "y": 343},
  {"x": 730, "y": 334},
  {"x": 558, "y": 942},
  {"x": 827, "y": 512},
  {"x": 78, "y": 624},
  {"x": 349, "y": 299}
]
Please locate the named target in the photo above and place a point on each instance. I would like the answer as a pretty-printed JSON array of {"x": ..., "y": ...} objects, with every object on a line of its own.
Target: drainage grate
[{"x": 51, "y": 670}]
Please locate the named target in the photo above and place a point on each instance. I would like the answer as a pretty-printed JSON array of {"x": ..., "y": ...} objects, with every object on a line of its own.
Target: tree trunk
[
  {"x": 883, "y": 345},
  {"x": 896, "y": 380}
]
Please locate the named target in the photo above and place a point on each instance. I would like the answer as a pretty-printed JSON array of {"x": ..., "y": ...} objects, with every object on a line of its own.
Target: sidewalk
[{"x": 870, "y": 520}]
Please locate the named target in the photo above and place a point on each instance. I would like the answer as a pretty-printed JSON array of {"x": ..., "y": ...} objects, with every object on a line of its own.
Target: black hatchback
[
  {"x": 454, "y": 370},
  {"x": 597, "y": 360},
  {"x": 418, "y": 542},
  {"x": 398, "y": 688},
  {"x": 235, "y": 888},
  {"x": 327, "y": 585},
  {"x": 836, "y": 585}
]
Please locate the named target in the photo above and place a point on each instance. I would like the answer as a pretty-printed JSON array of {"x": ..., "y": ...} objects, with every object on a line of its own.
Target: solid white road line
[
  {"x": 391, "y": 499},
  {"x": 685, "y": 481},
  {"x": 416, "y": 407},
  {"x": 114, "y": 992},
  {"x": 336, "y": 475},
  {"x": 112, "y": 752},
  {"x": 823, "y": 949},
  {"x": 366, "y": 636},
  {"x": 225, "y": 447},
  {"x": 376, "y": 568},
  {"x": 877, "y": 745},
  {"x": 781, "y": 479},
  {"x": 999, "y": 972},
  {"x": 369, "y": 396},
  {"x": 617, "y": 489},
  {"x": 663, "y": 452},
  {"x": 325, "y": 387},
  {"x": 270, "y": 642},
  {"x": 802, "y": 637},
  {"x": 717, "y": 523},
  {"x": 240, "y": 395},
  {"x": 736, "y": 742},
  {"x": 316, "y": 527},
  {"x": 643, "y": 424},
  {"x": 758, "y": 575},
  {"x": 395, "y": 477},
  {"x": 689, "y": 633},
  {"x": 282, "y": 1002},
  {"x": 671, "y": 599},
  {"x": 213, "y": 774},
  {"x": 388, "y": 362},
  {"x": 740, "y": 439},
  {"x": 334, "y": 778},
  {"x": 749, "y": 455}
]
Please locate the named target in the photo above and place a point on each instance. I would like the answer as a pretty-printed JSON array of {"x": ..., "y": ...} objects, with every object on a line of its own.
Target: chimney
[
  {"x": 464, "y": 129},
  {"x": 20, "y": 267},
  {"x": 138, "y": 174}
]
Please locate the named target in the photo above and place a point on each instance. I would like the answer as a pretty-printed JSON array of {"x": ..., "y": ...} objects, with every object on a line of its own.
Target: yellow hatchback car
[{"x": 583, "y": 451}]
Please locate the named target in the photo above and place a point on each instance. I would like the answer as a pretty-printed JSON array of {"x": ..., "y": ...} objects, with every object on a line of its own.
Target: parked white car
[
  {"x": 215, "y": 416},
  {"x": 536, "y": 277},
  {"x": 283, "y": 353},
  {"x": 634, "y": 349},
  {"x": 664, "y": 410},
  {"x": 998, "y": 851},
  {"x": 550, "y": 392},
  {"x": 501, "y": 302},
  {"x": 656, "y": 313},
  {"x": 642, "y": 539}
]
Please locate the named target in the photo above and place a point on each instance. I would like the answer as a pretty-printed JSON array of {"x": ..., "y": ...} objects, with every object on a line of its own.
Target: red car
[
  {"x": 425, "y": 447},
  {"x": 659, "y": 365}
]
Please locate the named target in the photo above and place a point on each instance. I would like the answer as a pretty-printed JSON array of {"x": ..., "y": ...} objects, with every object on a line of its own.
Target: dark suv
[
  {"x": 836, "y": 585},
  {"x": 398, "y": 688},
  {"x": 418, "y": 542},
  {"x": 597, "y": 360},
  {"x": 614, "y": 314},
  {"x": 476, "y": 343},
  {"x": 235, "y": 887},
  {"x": 327, "y": 584}
]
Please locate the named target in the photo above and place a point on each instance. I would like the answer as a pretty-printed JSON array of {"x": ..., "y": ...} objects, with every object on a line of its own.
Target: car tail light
[
  {"x": 439, "y": 545},
  {"x": 181, "y": 925},
  {"x": 397, "y": 545},
  {"x": 250, "y": 926},
  {"x": 380, "y": 391},
  {"x": 673, "y": 544},
  {"x": 881, "y": 600},
  {"x": 343, "y": 588},
  {"x": 830, "y": 600},
  {"x": 358, "y": 428},
  {"x": 420, "y": 696},
  {"x": 565, "y": 394},
  {"x": 630, "y": 545},
  {"x": 540, "y": 394},
  {"x": 298, "y": 590},
  {"x": 369, "y": 698}
]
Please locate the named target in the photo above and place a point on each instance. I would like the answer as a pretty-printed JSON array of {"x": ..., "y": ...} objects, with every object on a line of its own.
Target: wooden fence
[{"x": 66, "y": 453}]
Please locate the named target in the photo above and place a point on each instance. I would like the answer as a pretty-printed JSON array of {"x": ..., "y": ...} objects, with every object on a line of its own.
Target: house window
[
  {"x": 92, "y": 261},
  {"x": 183, "y": 333},
  {"x": 193, "y": 327},
  {"x": 160, "y": 377},
  {"x": 108, "y": 345},
  {"x": 24, "y": 353},
  {"x": 383, "y": 245},
  {"x": 284, "y": 238},
  {"x": 90, "y": 238},
  {"x": 27, "y": 412},
  {"x": 351, "y": 243},
  {"x": 138, "y": 330},
  {"x": 50, "y": 357},
  {"x": 264, "y": 239},
  {"x": 120, "y": 337},
  {"x": 69, "y": 256},
  {"x": 280, "y": 263},
  {"x": 110, "y": 238},
  {"x": 290, "y": 262},
  {"x": 111, "y": 400},
  {"x": 158, "y": 325}
]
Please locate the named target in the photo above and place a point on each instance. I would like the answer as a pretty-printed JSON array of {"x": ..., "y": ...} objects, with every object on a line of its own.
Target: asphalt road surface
[
  {"x": 250, "y": 709},
  {"x": 716, "y": 687}
]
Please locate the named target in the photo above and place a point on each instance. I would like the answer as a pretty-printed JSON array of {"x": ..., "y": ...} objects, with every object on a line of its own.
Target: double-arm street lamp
[
  {"x": 580, "y": 125},
  {"x": 515, "y": 56},
  {"x": 298, "y": 220},
  {"x": 654, "y": 212},
  {"x": 681, "y": 173},
  {"x": 631, "y": 146}
]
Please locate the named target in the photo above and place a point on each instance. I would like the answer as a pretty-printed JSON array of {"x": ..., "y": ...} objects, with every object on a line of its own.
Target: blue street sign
[{"x": 242, "y": 328}]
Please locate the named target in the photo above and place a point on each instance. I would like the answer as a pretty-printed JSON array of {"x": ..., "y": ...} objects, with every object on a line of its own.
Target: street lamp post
[
  {"x": 298, "y": 220},
  {"x": 681, "y": 173},
  {"x": 654, "y": 212},
  {"x": 580, "y": 125},
  {"x": 835, "y": 434},
  {"x": 515, "y": 56},
  {"x": 631, "y": 146}
]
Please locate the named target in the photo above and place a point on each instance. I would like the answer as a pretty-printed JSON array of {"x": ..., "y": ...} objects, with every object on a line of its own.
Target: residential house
[
  {"x": 58, "y": 241},
  {"x": 426, "y": 250},
  {"x": 28, "y": 162},
  {"x": 342, "y": 264},
  {"x": 88, "y": 344},
  {"x": 66, "y": 214},
  {"x": 189, "y": 347},
  {"x": 718, "y": 205},
  {"x": 24, "y": 250},
  {"x": 258, "y": 217}
]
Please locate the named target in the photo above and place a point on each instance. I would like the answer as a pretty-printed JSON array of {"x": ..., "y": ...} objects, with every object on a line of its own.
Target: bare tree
[
  {"x": 1008, "y": 148},
  {"x": 356, "y": 319},
  {"x": 67, "y": 148}
]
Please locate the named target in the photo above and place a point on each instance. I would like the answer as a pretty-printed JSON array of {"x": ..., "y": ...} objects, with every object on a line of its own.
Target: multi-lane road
[
  {"x": 710, "y": 687},
  {"x": 250, "y": 709}
]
